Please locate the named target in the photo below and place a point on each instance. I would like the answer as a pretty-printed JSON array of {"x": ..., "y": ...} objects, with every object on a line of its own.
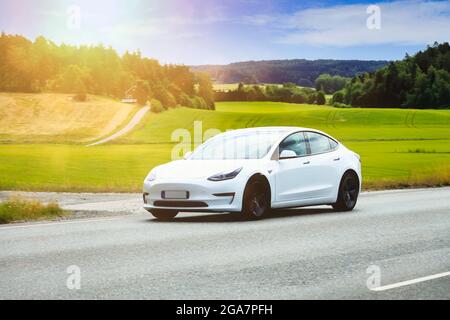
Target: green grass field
[
  {"x": 345, "y": 124},
  {"x": 399, "y": 148}
]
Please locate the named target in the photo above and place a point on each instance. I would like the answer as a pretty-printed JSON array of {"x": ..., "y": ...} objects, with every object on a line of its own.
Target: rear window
[
  {"x": 333, "y": 144},
  {"x": 320, "y": 143}
]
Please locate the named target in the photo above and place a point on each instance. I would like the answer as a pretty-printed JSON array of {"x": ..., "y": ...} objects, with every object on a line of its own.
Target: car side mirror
[
  {"x": 187, "y": 155},
  {"x": 287, "y": 154}
]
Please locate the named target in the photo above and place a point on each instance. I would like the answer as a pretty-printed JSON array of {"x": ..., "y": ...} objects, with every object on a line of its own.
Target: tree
[
  {"x": 286, "y": 93},
  {"x": 142, "y": 92},
  {"x": 199, "y": 103},
  {"x": 330, "y": 84},
  {"x": 28, "y": 66},
  {"x": 156, "y": 106},
  {"x": 73, "y": 79},
  {"x": 299, "y": 97},
  {"x": 419, "y": 81},
  {"x": 321, "y": 100},
  {"x": 205, "y": 89},
  {"x": 182, "y": 77},
  {"x": 166, "y": 98},
  {"x": 185, "y": 101},
  {"x": 338, "y": 96},
  {"x": 299, "y": 71}
]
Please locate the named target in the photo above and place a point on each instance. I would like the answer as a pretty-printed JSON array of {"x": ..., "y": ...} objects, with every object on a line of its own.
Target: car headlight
[
  {"x": 225, "y": 175},
  {"x": 151, "y": 177}
]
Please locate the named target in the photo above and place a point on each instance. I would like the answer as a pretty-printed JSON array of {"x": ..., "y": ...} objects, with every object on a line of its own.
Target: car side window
[
  {"x": 333, "y": 144},
  {"x": 319, "y": 143},
  {"x": 295, "y": 142}
]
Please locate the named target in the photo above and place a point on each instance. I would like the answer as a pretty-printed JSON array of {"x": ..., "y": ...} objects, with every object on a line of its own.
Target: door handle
[
  {"x": 337, "y": 159},
  {"x": 307, "y": 162}
]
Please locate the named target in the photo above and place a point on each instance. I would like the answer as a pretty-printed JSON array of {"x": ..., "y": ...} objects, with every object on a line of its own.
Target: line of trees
[
  {"x": 419, "y": 81},
  {"x": 288, "y": 92},
  {"x": 330, "y": 84},
  {"x": 299, "y": 71},
  {"x": 41, "y": 65}
]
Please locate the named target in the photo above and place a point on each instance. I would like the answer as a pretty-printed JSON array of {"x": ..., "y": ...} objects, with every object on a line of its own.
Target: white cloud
[
  {"x": 139, "y": 29},
  {"x": 257, "y": 19},
  {"x": 168, "y": 27},
  {"x": 187, "y": 25},
  {"x": 402, "y": 22}
]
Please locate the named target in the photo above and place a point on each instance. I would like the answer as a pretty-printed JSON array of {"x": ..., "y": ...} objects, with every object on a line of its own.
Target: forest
[
  {"x": 299, "y": 71},
  {"x": 288, "y": 92},
  {"x": 418, "y": 81},
  {"x": 421, "y": 81},
  {"x": 43, "y": 66}
]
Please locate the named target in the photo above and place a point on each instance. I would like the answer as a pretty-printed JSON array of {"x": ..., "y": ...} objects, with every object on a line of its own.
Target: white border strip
[{"x": 413, "y": 281}]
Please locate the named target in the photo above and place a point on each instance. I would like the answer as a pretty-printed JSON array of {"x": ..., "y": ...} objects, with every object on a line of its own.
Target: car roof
[{"x": 280, "y": 131}]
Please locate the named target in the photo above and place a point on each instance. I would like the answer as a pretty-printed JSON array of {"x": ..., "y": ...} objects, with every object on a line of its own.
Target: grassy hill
[
  {"x": 345, "y": 124},
  {"x": 398, "y": 147},
  {"x": 58, "y": 118}
]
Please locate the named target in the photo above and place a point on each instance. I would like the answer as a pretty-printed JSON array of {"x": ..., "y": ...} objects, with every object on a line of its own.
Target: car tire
[
  {"x": 256, "y": 203},
  {"x": 164, "y": 215},
  {"x": 348, "y": 192}
]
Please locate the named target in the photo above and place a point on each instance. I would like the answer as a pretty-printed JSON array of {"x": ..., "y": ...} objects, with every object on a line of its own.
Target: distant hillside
[{"x": 300, "y": 71}]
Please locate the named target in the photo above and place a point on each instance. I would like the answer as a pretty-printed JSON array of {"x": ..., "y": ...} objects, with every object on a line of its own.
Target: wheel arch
[
  {"x": 348, "y": 171},
  {"x": 266, "y": 182},
  {"x": 351, "y": 171},
  {"x": 339, "y": 204}
]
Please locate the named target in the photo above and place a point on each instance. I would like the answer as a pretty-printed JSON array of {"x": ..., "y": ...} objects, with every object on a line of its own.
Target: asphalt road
[{"x": 295, "y": 254}]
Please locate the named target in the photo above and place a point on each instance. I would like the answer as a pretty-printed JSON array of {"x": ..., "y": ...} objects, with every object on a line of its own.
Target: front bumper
[{"x": 204, "y": 195}]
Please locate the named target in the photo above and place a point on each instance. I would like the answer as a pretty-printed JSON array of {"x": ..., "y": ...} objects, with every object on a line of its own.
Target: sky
[{"x": 195, "y": 32}]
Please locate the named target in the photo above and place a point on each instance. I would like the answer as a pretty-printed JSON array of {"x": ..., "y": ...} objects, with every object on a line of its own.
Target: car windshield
[{"x": 254, "y": 145}]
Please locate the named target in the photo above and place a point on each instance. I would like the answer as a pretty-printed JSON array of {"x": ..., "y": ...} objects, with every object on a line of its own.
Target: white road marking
[
  {"x": 58, "y": 223},
  {"x": 413, "y": 281}
]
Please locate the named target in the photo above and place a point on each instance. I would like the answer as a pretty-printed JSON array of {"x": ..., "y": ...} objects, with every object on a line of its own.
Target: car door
[
  {"x": 323, "y": 167},
  {"x": 292, "y": 174}
]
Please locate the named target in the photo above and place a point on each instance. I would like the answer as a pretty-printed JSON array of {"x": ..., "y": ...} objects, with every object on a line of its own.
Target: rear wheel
[
  {"x": 348, "y": 192},
  {"x": 164, "y": 215},
  {"x": 256, "y": 200}
]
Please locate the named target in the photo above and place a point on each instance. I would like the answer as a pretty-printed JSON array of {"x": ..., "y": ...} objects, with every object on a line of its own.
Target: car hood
[{"x": 191, "y": 169}]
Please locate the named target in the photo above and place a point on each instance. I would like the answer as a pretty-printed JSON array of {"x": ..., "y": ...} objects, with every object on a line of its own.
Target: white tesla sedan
[{"x": 254, "y": 170}]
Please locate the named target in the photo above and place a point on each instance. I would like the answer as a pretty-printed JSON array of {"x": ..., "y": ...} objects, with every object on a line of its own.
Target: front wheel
[
  {"x": 256, "y": 200},
  {"x": 348, "y": 193},
  {"x": 164, "y": 215}
]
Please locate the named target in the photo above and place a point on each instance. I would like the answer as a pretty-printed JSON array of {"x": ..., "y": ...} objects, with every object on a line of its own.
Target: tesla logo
[
  {"x": 74, "y": 280},
  {"x": 374, "y": 280},
  {"x": 374, "y": 19}
]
